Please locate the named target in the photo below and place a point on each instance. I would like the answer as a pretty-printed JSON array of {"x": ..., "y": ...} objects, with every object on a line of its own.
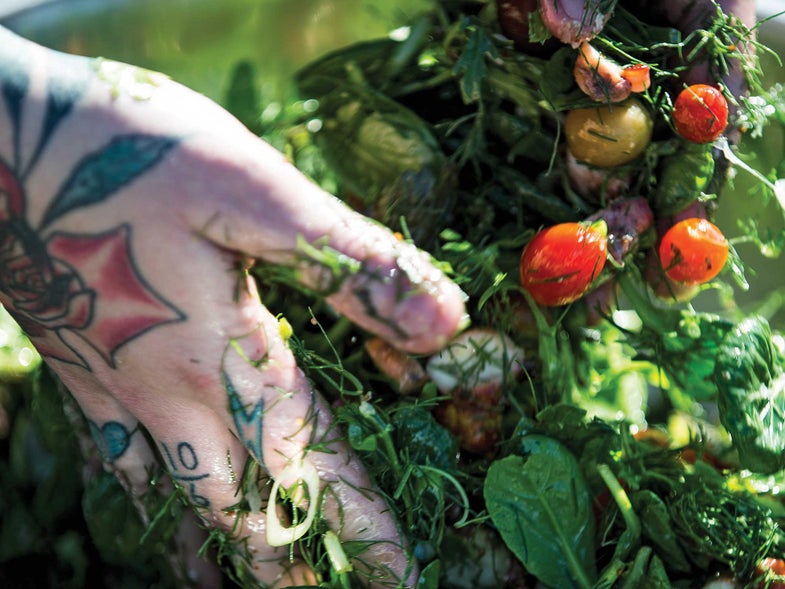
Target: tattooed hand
[{"x": 128, "y": 207}]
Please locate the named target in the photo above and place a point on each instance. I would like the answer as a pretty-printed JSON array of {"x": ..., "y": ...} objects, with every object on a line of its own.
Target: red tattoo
[{"x": 86, "y": 285}]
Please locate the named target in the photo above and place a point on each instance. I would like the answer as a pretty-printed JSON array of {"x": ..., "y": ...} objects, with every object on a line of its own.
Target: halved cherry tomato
[
  {"x": 693, "y": 251},
  {"x": 560, "y": 263},
  {"x": 700, "y": 113}
]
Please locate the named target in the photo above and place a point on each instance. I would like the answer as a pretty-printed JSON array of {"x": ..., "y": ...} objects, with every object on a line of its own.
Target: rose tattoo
[{"x": 84, "y": 284}]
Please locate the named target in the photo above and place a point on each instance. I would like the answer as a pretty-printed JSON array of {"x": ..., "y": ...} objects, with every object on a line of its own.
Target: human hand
[{"x": 130, "y": 208}]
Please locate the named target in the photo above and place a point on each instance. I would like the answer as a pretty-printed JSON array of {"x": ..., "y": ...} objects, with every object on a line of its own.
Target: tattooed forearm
[{"x": 55, "y": 282}]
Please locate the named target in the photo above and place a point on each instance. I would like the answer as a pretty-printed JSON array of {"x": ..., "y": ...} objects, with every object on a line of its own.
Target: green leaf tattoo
[{"x": 100, "y": 174}]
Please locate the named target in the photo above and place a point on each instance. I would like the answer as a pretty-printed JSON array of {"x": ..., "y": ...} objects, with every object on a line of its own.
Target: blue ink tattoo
[
  {"x": 68, "y": 80},
  {"x": 14, "y": 85},
  {"x": 247, "y": 423},
  {"x": 101, "y": 174},
  {"x": 112, "y": 439}
]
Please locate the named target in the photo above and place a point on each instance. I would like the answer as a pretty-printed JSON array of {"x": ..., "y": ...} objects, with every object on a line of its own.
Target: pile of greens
[{"x": 643, "y": 444}]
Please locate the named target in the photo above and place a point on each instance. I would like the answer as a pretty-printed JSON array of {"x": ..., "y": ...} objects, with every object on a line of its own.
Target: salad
[
  {"x": 598, "y": 424},
  {"x": 592, "y": 427}
]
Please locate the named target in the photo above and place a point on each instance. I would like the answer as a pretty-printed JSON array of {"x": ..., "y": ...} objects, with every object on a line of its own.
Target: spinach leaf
[
  {"x": 541, "y": 506},
  {"x": 429, "y": 577},
  {"x": 426, "y": 442}
]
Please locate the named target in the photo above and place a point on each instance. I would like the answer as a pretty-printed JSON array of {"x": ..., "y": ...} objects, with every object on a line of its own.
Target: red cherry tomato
[
  {"x": 700, "y": 113},
  {"x": 560, "y": 263},
  {"x": 771, "y": 572},
  {"x": 693, "y": 251}
]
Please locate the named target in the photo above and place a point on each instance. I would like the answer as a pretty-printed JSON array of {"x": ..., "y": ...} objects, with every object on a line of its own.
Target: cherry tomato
[
  {"x": 560, "y": 263},
  {"x": 772, "y": 573},
  {"x": 693, "y": 251},
  {"x": 608, "y": 135},
  {"x": 700, "y": 113}
]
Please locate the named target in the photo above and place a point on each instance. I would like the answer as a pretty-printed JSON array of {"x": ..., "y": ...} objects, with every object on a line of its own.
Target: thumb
[{"x": 269, "y": 210}]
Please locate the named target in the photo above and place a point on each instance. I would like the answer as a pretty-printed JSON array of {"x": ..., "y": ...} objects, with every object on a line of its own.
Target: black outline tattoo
[
  {"x": 189, "y": 461},
  {"x": 54, "y": 282}
]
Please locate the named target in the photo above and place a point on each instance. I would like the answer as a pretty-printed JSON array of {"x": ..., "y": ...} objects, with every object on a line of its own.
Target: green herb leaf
[
  {"x": 685, "y": 175},
  {"x": 657, "y": 529},
  {"x": 427, "y": 442},
  {"x": 541, "y": 506},
  {"x": 471, "y": 64},
  {"x": 646, "y": 570},
  {"x": 429, "y": 577}
]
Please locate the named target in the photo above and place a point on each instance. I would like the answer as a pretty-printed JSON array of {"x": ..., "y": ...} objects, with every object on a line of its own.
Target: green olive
[{"x": 608, "y": 135}]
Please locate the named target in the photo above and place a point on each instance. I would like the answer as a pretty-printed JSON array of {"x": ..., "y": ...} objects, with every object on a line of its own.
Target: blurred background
[{"x": 198, "y": 42}]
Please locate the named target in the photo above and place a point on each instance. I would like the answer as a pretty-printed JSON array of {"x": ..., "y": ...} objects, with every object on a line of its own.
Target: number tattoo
[
  {"x": 183, "y": 468},
  {"x": 58, "y": 282}
]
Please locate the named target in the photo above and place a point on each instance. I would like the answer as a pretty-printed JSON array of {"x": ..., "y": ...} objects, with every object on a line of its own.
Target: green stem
[
  {"x": 649, "y": 314},
  {"x": 419, "y": 86},
  {"x": 622, "y": 500},
  {"x": 403, "y": 54},
  {"x": 388, "y": 447},
  {"x": 555, "y": 379},
  {"x": 458, "y": 487},
  {"x": 629, "y": 540}
]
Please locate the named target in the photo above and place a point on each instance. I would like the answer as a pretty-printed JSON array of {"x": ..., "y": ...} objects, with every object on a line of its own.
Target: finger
[
  {"x": 280, "y": 419},
  {"x": 115, "y": 431},
  {"x": 125, "y": 452},
  {"x": 208, "y": 463},
  {"x": 269, "y": 210}
]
